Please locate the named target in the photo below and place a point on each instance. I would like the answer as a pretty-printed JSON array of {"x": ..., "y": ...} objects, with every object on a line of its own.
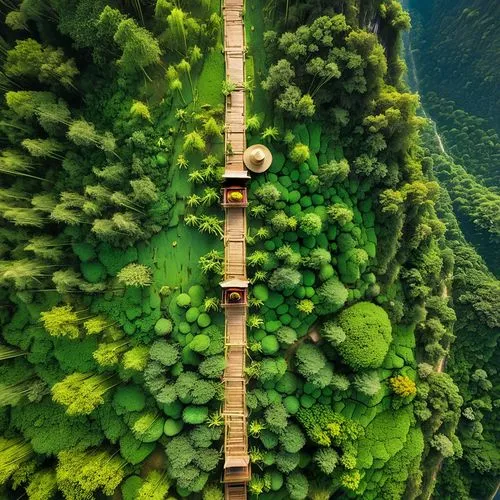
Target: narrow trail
[
  {"x": 237, "y": 462},
  {"x": 413, "y": 68}
]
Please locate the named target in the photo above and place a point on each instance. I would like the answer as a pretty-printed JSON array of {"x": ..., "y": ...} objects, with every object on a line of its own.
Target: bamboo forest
[{"x": 249, "y": 249}]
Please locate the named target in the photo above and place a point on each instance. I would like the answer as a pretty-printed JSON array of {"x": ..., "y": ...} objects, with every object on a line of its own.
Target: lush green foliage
[{"x": 112, "y": 344}]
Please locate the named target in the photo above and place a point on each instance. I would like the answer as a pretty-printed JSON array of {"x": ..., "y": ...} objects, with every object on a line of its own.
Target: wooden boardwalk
[{"x": 237, "y": 463}]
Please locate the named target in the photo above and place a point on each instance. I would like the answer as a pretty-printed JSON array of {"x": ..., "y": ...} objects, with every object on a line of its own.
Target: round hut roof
[{"x": 257, "y": 158}]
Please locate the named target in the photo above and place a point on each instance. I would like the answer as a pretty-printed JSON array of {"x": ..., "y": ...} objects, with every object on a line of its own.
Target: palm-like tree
[
  {"x": 211, "y": 161},
  {"x": 211, "y": 304},
  {"x": 182, "y": 162},
  {"x": 258, "y": 276},
  {"x": 262, "y": 233},
  {"x": 253, "y": 123},
  {"x": 210, "y": 196},
  {"x": 196, "y": 177},
  {"x": 211, "y": 225},
  {"x": 216, "y": 419},
  {"x": 271, "y": 133},
  {"x": 258, "y": 210},
  {"x": 254, "y": 321},
  {"x": 211, "y": 262},
  {"x": 191, "y": 220},
  {"x": 255, "y": 302},
  {"x": 255, "y": 428},
  {"x": 193, "y": 201},
  {"x": 258, "y": 258},
  {"x": 250, "y": 239}
]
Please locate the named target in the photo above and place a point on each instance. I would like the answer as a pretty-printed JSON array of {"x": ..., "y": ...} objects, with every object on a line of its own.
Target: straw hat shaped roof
[{"x": 257, "y": 158}]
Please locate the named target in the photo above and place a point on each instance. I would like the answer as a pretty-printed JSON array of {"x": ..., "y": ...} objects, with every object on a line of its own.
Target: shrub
[
  {"x": 204, "y": 320},
  {"x": 323, "y": 377},
  {"x": 280, "y": 222},
  {"x": 135, "y": 275},
  {"x": 322, "y": 425},
  {"x": 442, "y": 444},
  {"x": 213, "y": 492},
  {"x": 332, "y": 295},
  {"x": 276, "y": 480},
  {"x": 276, "y": 417},
  {"x": 163, "y": 326},
  {"x": 340, "y": 213},
  {"x": 287, "y": 462},
  {"x": 368, "y": 335},
  {"x": 285, "y": 279},
  {"x": 333, "y": 171},
  {"x": 203, "y": 392},
  {"x": 147, "y": 427},
  {"x": 207, "y": 459},
  {"x": 195, "y": 414},
  {"x": 133, "y": 450},
  {"x": 339, "y": 382},
  {"x": 333, "y": 333},
  {"x": 350, "y": 479},
  {"x": 200, "y": 343},
  {"x": 287, "y": 384},
  {"x": 300, "y": 153},
  {"x": 130, "y": 487},
  {"x": 164, "y": 353},
  {"x": 260, "y": 292},
  {"x": 270, "y": 345},
  {"x": 180, "y": 452},
  {"x": 269, "y": 439},
  {"x": 403, "y": 386},
  {"x": 192, "y": 314},
  {"x": 155, "y": 486},
  {"x": 212, "y": 367},
  {"x": 172, "y": 427},
  {"x": 128, "y": 398},
  {"x": 311, "y": 224},
  {"x": 368, "y": 383},
  {"x": 268, "y": 194},
  {"x": 318, "y": 258},
  {"x": 310, "y": 360},
  {"x": 271, "y": 368},
  {"x": 183, "y": 300},
  {"x": 197, "y": 294},
  {"x": 326, "y": 459},
  {"x": 292, "y": 404},
  {"x": 286, "y": 335},
  {"x": 293, "y": 439},
  {"x": 297, "y": 486},
  {"x": 93, "y": 272},
  {"x": 173, "y": 409},
  {"x": 185, "y": 383}
]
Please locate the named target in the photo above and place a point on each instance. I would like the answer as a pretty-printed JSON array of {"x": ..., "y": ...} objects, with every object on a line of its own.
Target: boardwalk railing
[{"x": 237, "y": 463}]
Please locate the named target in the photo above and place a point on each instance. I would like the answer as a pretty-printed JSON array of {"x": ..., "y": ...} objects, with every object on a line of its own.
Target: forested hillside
[
  {"x": 450, "y": 53},
  {"x": 458, "y": 43},
  {"x": 112, "y": 344},
  {"x": 453, "y": 45}
]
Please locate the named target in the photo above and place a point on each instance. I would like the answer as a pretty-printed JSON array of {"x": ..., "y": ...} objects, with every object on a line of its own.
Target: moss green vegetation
[{"x": 112, "y": 340}]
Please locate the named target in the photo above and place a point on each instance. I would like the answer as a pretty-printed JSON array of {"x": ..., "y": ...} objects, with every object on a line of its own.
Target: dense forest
[
  {"x": 451, "y": 47},
  {"x": 373, "y": 321}
]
